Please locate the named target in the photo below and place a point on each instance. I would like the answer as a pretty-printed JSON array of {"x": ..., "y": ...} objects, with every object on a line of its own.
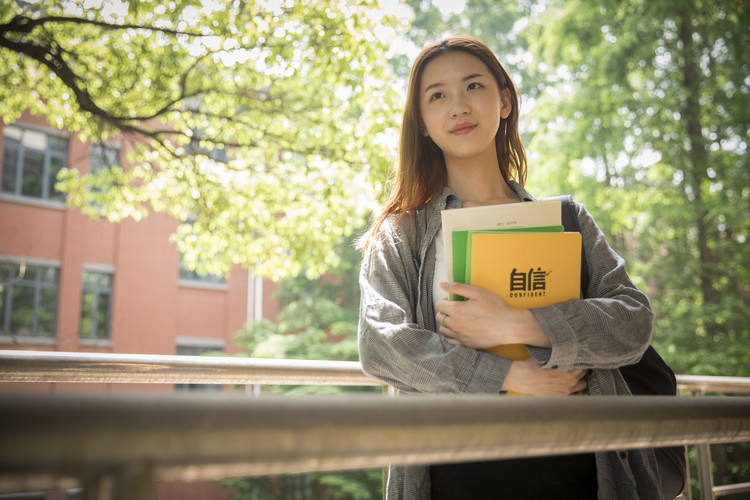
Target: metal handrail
[
  {"x": 145, "y": 438},
  {"x": 42, "y": 366},
  {"x": 45, "y": 366},
  {"x": 699, "y": 385},
  {"x": 83, "y": 367},
  {"x": 710, "y": 383}
]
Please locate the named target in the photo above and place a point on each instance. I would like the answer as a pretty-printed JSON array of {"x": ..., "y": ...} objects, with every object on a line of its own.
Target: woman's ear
[{"x": 505, "y": 105}]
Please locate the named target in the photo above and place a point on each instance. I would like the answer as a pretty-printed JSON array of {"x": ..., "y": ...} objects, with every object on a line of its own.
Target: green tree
[
  {"x": 349, "y": 485},
  {"x": 498, "y": 24},
  {"x": 318, "y": 321},
  {"x": 640, "y": 110},
  {"x": 645, "y": 115},
  {"x": 259, "y": 125}
]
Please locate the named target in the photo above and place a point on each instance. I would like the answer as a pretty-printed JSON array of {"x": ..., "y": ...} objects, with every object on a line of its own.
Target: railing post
[
  {"x": 687, "y": 493},
  {"x": 705, "y": 472},
  {"x": 389, "y": 391},
  {"x": 134, "y": 482}
]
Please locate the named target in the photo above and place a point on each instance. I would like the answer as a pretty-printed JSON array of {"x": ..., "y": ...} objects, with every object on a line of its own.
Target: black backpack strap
[{"x": 570, "y": 223}]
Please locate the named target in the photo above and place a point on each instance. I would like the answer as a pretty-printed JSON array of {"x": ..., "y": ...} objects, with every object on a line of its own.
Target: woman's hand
[
  {"x": 484, "y": 320},
  {"x": 527, "y": 377}
]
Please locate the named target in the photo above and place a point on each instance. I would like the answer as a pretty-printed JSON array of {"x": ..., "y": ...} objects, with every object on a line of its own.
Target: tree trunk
[{"x": 697, "y": 155}]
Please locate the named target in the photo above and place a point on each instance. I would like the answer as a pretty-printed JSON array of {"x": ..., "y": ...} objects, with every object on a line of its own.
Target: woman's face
[{"x": 461, "y": 105}]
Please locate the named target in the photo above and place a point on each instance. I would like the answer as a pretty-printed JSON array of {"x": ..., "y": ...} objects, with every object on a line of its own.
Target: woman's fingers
[
  {"x": 528, "y": 377},
  {"x": 469, "y": 291},
  {"x": 577, "y": 374}
]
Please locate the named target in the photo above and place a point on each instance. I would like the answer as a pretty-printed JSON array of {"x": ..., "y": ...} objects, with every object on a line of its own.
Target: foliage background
[
  {"x": 639, "y": 109},
  {"x": 260, "y": 125},
  {"x": 318, "y": 321}
]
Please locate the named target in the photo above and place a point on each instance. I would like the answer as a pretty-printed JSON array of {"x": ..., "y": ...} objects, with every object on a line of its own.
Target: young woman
[{"x": 460, "y": 147}]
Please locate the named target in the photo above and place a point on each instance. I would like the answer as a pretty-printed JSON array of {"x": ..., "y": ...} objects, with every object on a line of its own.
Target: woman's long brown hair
[{"x": 421, "y": 172}]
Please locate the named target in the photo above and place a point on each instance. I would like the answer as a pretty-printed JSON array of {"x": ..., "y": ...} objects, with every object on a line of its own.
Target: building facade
[{"x": 70, "y": 283}]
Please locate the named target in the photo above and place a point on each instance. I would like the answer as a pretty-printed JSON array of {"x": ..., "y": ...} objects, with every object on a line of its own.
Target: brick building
[{"x": 73, "y": 284}]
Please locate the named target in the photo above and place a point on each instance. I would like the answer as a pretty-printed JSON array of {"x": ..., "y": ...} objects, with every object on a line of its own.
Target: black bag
[{"x": 651, "y": 376}]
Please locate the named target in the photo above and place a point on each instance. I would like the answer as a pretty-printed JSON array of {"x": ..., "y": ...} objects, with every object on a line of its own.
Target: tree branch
[
  {"x": 25, "y": 24},
  {"x": 52, "y": 58},
  {"x": 51, "y": 55}
]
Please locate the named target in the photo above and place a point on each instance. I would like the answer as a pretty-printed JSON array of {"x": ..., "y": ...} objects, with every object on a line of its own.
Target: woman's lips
[{"x": 463, "y": 128}]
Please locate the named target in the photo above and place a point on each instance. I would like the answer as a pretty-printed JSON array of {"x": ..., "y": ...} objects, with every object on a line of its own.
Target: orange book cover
[{"x": 527, "y": 270}]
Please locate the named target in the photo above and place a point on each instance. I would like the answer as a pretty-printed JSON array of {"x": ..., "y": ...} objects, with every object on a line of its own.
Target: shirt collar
[{"x": 448, "y": 198}]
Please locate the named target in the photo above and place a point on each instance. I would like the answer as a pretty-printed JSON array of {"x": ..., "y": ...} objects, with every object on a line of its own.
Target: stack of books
[{"x": 519, "y": 251}]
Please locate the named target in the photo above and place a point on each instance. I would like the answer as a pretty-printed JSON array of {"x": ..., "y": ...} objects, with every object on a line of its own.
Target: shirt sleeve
[
  {"x": 394, "y": 347},
  {"x": 611, "y": 327}
]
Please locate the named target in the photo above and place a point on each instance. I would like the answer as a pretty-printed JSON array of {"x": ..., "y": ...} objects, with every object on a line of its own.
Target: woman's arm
[
  {"x": 394, "y": 347},
  {"x": 485, "y": 320},
  {"x": 611, "y": 328},
  {"x": 528, "y": 377}
]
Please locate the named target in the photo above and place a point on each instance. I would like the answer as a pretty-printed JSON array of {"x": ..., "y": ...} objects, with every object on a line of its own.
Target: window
[
  {"x": 28, "y": 299},
  {"x": 96, "y": 305},
  {"x": 31, "y": 161},
  {"x": 104, "y": 157},
  {"x": 214, "y": 151},
  {"x": 192, "y": 278},
  {"x": 197, "y": 347},
  {"x": 195, "y": 278}
]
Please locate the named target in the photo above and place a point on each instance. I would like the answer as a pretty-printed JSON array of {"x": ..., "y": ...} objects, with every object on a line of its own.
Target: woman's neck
[{"x": 479, "y": 183}]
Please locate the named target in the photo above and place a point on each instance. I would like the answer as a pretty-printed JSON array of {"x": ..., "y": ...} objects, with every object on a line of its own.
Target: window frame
[
  {"x": 48, "y": 194},
  {"x": 98, "y": 293},
  {"x": 105, "y": 148},
  {"x": 191, "y": 279},
  {"x": 38, "y": 286},
  {"x": 203, "y": 345},
  {"x": 188, "y": 278}
]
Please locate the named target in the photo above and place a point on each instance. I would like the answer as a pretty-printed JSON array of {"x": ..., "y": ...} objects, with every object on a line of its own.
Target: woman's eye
[
  {"x": 436, "y": 96},
  {"x": 474, "y": 85}
]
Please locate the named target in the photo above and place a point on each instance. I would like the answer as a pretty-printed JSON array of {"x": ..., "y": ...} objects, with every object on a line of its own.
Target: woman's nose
[{"x": 460, "y": 107}]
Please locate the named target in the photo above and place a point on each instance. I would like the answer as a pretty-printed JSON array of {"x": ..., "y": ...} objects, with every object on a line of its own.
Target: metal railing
[
  {"x": 124, "y": 443},
  {"x": 700, "y": 385},
  {"x": 84, "y": 367},
  {"x": 43, "y": 366},
  {"x": 703, "y": 384}
]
